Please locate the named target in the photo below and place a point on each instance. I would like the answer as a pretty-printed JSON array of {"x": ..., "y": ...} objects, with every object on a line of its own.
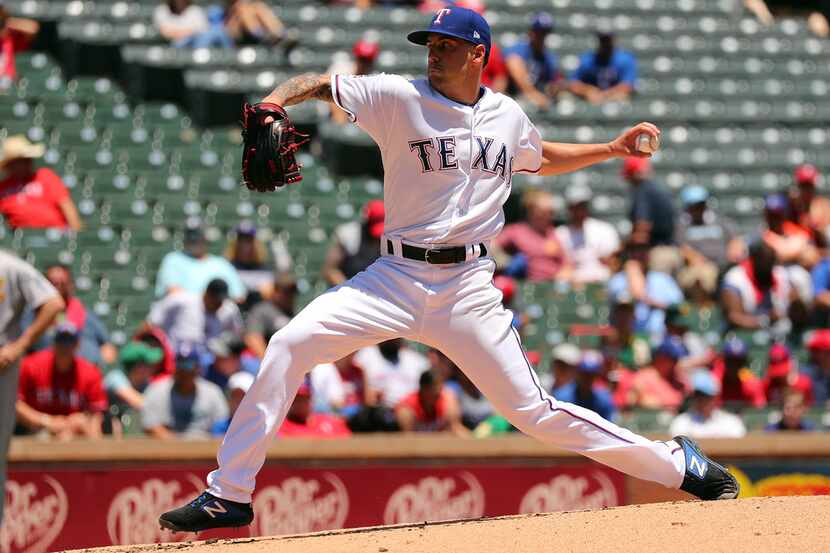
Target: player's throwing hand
[{"x": 626, "y": 143}]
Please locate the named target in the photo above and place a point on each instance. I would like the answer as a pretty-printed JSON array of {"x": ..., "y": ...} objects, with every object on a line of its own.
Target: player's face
[{"x": 448, "y": 59}]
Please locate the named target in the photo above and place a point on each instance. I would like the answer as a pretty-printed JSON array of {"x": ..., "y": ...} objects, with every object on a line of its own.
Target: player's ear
[{"x": 479, "y": 51}]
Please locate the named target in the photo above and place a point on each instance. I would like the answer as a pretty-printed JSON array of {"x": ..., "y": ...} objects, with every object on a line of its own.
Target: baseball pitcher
[{"x": 450, "y": 148}]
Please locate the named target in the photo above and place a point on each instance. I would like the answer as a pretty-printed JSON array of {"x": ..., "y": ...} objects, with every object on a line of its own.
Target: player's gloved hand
[
  {"x": 269, "y": 143},
  {"x": 626, "y": 144}
]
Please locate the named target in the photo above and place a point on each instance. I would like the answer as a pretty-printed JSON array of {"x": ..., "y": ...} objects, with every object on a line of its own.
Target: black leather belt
[{"x": 436, "y": 256}]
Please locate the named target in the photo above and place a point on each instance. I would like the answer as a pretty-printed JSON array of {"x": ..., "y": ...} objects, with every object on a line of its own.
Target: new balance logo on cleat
[
  {"x": 696, "y": 464},
  {"x": 215, "y": 508},
  {"x": 705, "y": 478}
]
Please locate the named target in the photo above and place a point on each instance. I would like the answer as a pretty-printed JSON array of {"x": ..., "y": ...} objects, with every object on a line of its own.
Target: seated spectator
[
  {"x": 60, "y": 392},
  {"x": 495, "y": 75},
  {"x": 392, "y": 370},
  {"x": 29, "y": 197},
  {"x": 194, "y": 267},
  {"x": 757, "y": 293},
  {"x": 704, "y": 419},
  {"x": 191, "y": 318},
  {"x": 585, "y": 391},
  {"x": 355, "y": 246},
  {"x": 185, "y": 405},
  {"x": 254, "y": 22},
  {"x": 364, "y": 54},
  {"x": 628, "y": 347},
  {"x": 533, "y": 244},
  {"x": 432, "y": 408},
  {"x": 125, "y": 386},
  {"x": 16, "y": 34},
  {"x": 532, "y": 67},
  {"x": 587, "y": 242},
  {"x": 821, "y": 288},
  {"x": 226, "y": 358},
  {"x": 818, "y": 367},
  {"x": 507, "y": 286},
  {"x": 782, "y": 375},
  {"x": 817, "y": 11},
  {"x": 564, "y": 360},
  {"x": 791, "y": 241},
  {"x": 679, "y": 324},
  {"x": 249, "y": 257},
  {"x": 792, "y": 414},
  {"x": 187, "y": 26},
  {"x": 647, "y": 277},
  {"x": 652, "y": 212},
  {"x": 740, "y": 387},
  {"x": 707, "y": 241},
  {"x": 659, "y": 386},
  {"x": 475, "y": 407},
  {"x": 607, "y": 74},
  {"x": 270, "y": 315},
  {"x": 155, "y": 337},
  {"x": 808, "y": 209},
  {"x": 95, "y": 345},
  {"x": 238, "y": 385},
  {"x": 340, "y": 387},
  {"x": 301, "y": 422}
]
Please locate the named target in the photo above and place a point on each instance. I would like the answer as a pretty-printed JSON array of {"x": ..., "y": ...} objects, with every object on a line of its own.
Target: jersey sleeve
[
  {"x": 528, "y": 155},
  {"x": 370, "y": 101}
]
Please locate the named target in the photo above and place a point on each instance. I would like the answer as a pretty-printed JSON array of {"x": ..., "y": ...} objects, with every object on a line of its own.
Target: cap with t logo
[{"x": 456, "y": 22}]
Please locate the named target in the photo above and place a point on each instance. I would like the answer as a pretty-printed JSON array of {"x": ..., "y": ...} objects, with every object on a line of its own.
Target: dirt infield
[{"x": 758, "y": 525}]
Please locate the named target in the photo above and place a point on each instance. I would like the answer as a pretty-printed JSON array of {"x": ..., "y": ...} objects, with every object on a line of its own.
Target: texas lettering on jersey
[{"x": 486, "y": 159}]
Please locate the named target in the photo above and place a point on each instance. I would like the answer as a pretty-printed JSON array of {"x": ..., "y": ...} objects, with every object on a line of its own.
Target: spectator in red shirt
[
  {"x": 739, "y": 385},
  {"x": 60, "y": 392},
  {"x": 782, "y": 375},
  {"x": 535, "y": 249},
  {"x": 29, "y": 197},
  {"x": 659, "y": 386},
  {"x": 495, "y": 75},
  {"x": 15, "y": 35},
  {"x": 300, "y": 422},
  {"x": 433, "y": 408}
]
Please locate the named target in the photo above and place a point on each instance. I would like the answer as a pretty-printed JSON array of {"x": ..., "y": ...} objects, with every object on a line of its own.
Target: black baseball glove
[{"x": 268, "y": 160}]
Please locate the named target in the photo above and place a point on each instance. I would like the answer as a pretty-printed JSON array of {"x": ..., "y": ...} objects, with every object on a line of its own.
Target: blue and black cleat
[
  {"x": 705, "y": 478},
  {"x": 205, "y": 512}
]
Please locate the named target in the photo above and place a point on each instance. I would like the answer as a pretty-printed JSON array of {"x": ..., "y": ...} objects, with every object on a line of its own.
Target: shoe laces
[{"x": 201, "y": 500}]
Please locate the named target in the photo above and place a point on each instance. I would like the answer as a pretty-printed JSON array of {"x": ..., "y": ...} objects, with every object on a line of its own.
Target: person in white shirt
[
  {"x": 704, "y": 419},
  {"x": 392, "y": 370},
  {"x": 587, "y": 242},
  {"x": 193, "y": 318}
]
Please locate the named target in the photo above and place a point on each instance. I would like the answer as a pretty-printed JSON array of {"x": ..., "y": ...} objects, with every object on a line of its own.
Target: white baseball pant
[{"x": 454, "y": 308}]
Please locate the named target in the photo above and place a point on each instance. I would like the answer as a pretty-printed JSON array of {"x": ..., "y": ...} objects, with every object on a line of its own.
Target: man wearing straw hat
[{"x": 30, "y": 197}]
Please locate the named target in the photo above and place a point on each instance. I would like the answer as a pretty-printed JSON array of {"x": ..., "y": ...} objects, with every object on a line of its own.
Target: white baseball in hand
[{"x": 647, "y": 143}]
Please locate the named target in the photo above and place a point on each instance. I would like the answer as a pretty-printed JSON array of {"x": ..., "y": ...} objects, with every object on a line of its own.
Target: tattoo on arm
[{"x": 301, "y": 88}]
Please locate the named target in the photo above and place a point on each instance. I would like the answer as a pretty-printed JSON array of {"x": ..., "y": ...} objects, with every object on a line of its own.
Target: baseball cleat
[
  {"x": 205, "y": 512},
  {"x": 705, "y": 478}
]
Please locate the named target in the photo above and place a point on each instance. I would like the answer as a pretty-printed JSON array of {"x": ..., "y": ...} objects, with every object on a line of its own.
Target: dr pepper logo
[
  {"x": 34, "y": 516},
  {"x": 435, "y": 498},
  {"x": 298, "y": 505},
  {"x": 568, "y": 493}
]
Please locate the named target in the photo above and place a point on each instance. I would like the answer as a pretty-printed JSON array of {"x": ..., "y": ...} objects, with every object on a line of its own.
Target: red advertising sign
[{"x": 66, "y": 508}]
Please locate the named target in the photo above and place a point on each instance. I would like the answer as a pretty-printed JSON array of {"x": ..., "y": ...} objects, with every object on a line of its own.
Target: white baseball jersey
[{"x": 448, "y": 166}]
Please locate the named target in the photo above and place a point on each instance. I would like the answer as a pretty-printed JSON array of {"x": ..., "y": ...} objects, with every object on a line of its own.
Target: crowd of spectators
[{"x": 188, "y": 366}]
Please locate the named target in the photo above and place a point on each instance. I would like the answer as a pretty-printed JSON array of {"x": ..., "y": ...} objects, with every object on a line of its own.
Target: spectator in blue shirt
[
  {"x": 607, "y": 74},
  {"x": 193, "y": 268},
  {"x": 821, "y": 292},
  {"x": 584, "y": 391},
  {"x": 533, "y": 69}
]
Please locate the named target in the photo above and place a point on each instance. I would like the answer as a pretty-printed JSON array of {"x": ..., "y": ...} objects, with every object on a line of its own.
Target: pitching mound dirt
[{"x": 758, "y": 525}]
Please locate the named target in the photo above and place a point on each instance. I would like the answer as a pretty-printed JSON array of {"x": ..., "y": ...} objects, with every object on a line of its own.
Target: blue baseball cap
[
  {"x": 456, "y": 22},
  {"x": 187, "y": 357},
  {"x": 672, "y": 347},
  {"x": 591, "y": 362},
  {"x": 735, "y": 347},
  {"x": 704, "y": 383},
  {"x": 776, "y": 203},
  {"x": 692, "y": 195},
  {"x": 541, "y": 21}
]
